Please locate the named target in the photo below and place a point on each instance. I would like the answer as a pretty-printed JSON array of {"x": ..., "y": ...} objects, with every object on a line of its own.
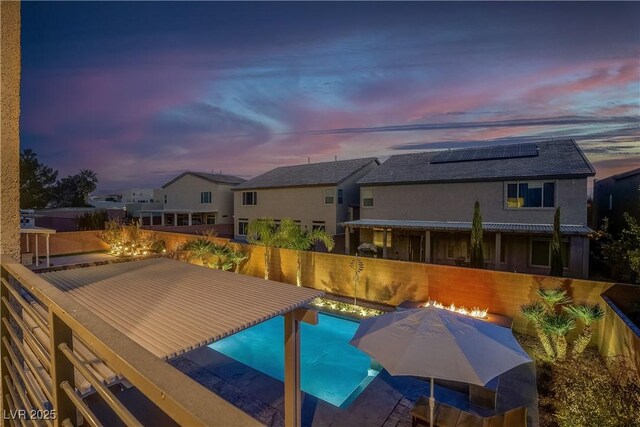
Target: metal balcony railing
[{"x": 54, "y": 352}]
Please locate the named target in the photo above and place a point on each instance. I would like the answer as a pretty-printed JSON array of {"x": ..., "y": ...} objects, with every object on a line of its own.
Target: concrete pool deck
[{"x": 387, "y": 401}]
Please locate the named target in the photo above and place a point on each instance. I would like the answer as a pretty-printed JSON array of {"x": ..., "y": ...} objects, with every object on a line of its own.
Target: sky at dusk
[{"x": 140, "y": 92}]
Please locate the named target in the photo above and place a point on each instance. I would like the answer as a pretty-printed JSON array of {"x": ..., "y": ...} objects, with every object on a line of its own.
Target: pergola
[
  {"x": 28, "y": 231},
  {"x": 171, "y": 307}
]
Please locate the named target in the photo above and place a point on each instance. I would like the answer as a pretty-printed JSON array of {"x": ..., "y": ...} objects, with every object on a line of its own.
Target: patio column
[
  {"x": 427, "y": 246},
  {"x": 347, "y": 240},
  {"x": 498, "y": 254},
  {"x": 48, "y": 235},
  {"x": 292, "y": 396},
  {"x": 140, "y": 217},
  {"x": 162, "y": 218},
  {"x": 190, "y": 218},
  {"x": 175, "y": 219},
  {"x": 384, "y": 243},
  {"x": 27, "y": 239}
]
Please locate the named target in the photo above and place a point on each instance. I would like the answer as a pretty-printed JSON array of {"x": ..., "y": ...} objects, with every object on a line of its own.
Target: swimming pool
[{"x": 331, "y": 369}]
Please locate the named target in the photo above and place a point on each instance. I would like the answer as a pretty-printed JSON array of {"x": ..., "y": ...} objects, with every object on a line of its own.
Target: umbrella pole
[{"x": 432, "y": 404}]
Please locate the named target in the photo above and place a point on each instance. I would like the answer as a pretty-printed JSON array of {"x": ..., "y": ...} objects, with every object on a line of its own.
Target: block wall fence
[{"x": 392, "y": 282}]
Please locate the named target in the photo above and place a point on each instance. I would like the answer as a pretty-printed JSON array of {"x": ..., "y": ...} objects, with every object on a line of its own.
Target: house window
[
  {"x": 165, "y": 198},
  {"x": 243, "y": 226},
  {"x": 318, "y": 225},
  {"x": 205, "y": 197},
  {"x": 540, "y": 254},
  {"x": 367, "y": 198},
  {"x": 531, "y": 194},
  {"x": 210, "y": 219},
  {"x": 456, "y": 248},
  {"x": 328, "y": 196},
  {"x": 249, "y": 198},
  {"x": 378, "y": 238},
  {"x": 340, "y": 196}
]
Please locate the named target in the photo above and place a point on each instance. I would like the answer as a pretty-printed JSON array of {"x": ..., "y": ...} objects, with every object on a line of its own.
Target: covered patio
[
  {"x": 507, "y": 246},
  {"x": 29, "y": 231},
  {"x": 171, "y": 307},
  {"x": 175, "y": 217}
]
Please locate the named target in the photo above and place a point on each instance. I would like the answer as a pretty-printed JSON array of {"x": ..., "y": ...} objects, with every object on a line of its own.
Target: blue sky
[{"x": 141, "y": 91}]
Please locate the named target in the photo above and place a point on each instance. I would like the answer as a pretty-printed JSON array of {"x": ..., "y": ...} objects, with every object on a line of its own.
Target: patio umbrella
[{"x": 437, "y": 343}]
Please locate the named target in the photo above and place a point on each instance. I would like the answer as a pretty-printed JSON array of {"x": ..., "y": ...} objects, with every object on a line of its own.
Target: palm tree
[
  {"x": 264, "y": 232},
  {"x": 558, "y": 326},
  {"x": 476, "y": 258},
  {"x": 293, "y": 237},
  {"x": 199, "y": 248},
  {"x": 535, "y": 313},
  {"x": 551, "y": 298},
  {"x": 557, "y": 263},
  {"x": 589, "y": 314}
]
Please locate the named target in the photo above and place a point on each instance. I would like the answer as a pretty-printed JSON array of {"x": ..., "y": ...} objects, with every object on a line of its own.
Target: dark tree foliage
[
  {"x": 557, "y": 263},
  {"x": 73, "y": 190},
  {"x": 476, "y": 257},
  {"x": 92, "y": 220},
  {"x": 36, "y": 181}
]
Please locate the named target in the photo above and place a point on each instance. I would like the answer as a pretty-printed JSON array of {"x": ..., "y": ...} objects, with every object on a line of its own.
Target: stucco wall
[
  {"x": 185, "y": 194},
  {"x": 299, "y": 203},
  {"x": 454, "y": 202},
  {"x": 10, "y": 129},
  {"x": 351, "y": 195}
]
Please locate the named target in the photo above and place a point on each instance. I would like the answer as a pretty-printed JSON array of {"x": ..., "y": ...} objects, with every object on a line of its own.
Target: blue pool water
[{"x": 331, "y": 369}]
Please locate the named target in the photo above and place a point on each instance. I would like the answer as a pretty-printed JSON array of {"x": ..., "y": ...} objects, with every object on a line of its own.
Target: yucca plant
[
  {"x": 551, "y": 298},
  {"x": 237, "y": 257},
  {"x": 589, "y": 314},
  {"x": 558, "y": 326},
  {"x": 535, "y": 313}
]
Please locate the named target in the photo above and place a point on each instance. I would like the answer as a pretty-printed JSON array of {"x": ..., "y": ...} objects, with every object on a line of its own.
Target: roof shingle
[
  {"x": 325, "y": 173},
  {"x": 213, "y": 177},
  {"x": 555, "y": 159}
]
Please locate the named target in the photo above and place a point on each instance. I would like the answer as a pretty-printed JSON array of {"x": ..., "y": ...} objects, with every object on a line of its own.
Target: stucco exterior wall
[
  {"x": 454, "y": 202},
  {"x": 351, "y": 194},
  {"x": 185, "y": 194},
  {"x": 305, "y": 204},
  {"x": 10, "y": 129}
]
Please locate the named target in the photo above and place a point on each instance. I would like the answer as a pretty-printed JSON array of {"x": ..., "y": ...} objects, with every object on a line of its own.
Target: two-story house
[
  {"x": 194, "y": 198},
  {"x": 317, "y": 195},
  {"x": 614, "y": 196},
  {"x": 419, "y": 207}
]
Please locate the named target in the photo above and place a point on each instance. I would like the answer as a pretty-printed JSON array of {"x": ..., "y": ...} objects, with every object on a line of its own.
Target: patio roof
[
  {"x": 466, "y": 226},
  {"x": 171, "y": 307},
  {"x": 36, "y": 230}
]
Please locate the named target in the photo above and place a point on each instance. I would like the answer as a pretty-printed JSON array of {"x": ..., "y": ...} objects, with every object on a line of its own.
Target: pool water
[{"x": 331, "y": 369}]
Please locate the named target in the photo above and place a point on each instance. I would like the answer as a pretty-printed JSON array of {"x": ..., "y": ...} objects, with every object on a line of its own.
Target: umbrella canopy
[{"x": 438, "y": 343}]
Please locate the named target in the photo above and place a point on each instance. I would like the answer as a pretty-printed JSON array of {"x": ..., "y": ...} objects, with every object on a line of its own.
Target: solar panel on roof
[{"x": 490, "y": 153}]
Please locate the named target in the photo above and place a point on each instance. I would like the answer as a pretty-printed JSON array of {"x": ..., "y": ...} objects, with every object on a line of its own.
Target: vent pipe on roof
[
  {"x": 308, "y": 160},
  {"x": 336, "y": 158}
]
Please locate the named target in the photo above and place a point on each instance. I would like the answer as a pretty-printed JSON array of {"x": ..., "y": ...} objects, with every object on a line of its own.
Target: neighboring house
[
  {"x": 419, "y": 207},
  {"x": 194, "y": 198},
  {"x": 316, "y": 195},
  {"x": 615, "y": 195},
  {"x": 142, "y": 195}
]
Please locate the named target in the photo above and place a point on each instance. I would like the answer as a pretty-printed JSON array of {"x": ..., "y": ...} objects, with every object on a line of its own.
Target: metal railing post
[{"x": 61, "y": 370}]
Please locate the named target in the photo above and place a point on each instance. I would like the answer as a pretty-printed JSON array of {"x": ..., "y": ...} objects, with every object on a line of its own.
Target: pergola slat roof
[{"x": 171, "y": 307}]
